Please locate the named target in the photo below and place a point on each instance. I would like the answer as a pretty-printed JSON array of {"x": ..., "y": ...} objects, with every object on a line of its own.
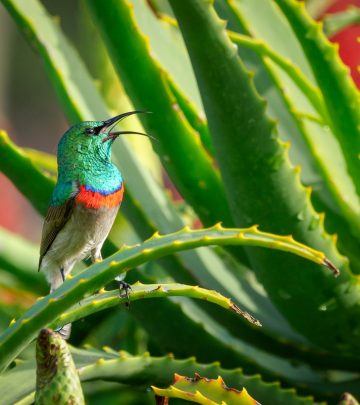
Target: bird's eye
[{"x": 90, "y": 131}]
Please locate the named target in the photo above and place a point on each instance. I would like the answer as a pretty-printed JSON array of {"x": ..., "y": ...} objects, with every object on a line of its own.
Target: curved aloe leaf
[
  {"x": 332, "y": 170},
  {"x": 31, "y": 182},
  {"x": 96, "y": 276},
  {"x": 264, "y": 50},
  {"x": 164, "y": 36},
  {"x": 204, "y": 391},
  {"x": 241, "y": 291},
  {"x": 19, "y": 258},
  {"x": 82, "y": 101},
  {"x": 145, "y": 82},
  {"x": 258, "y": 18},
  {"x": 57, "y": 378},
  {"x": 106, "y": 299},
  {"x": 246, "y": 142},
  {"x": 340, "y": 93},
  {"x": 171, "y": 262},
  {"x": 45, "y": 161},
  {"x": 193, "y": 116},
  {"x": 146, "y": 370},
  {"x": 193, "y": 260},
  {"x": 199, "y": 261},
  {"x": 335, "y": 179}
]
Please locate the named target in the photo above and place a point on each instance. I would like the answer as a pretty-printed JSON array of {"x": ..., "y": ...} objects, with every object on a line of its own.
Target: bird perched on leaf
[{"x": 85, "y": 201}]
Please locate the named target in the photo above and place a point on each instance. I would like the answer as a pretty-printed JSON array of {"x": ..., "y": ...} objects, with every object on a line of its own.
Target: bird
[{"x": 86, "y": 199}]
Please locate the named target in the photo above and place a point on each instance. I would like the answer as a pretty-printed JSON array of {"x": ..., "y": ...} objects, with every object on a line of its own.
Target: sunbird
[{"x": 85, "y": 201}]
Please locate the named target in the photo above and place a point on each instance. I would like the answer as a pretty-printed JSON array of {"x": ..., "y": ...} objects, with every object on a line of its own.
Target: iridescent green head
[
  {"x": 84, "y": 152},
  {"x": 90, "y": 140}
]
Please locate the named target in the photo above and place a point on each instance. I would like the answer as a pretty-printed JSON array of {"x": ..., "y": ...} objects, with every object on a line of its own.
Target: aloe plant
[
  {"x": 203, "y": 391},
  {"x": 257, "y": 123}
]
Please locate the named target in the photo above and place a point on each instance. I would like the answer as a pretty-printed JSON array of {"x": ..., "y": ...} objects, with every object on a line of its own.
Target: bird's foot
[
  {"x": 124, "y": 289},
  {"x": 64, "y": 331}
]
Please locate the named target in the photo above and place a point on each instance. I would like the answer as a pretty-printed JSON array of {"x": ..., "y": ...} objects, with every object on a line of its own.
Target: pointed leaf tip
[
  {"x": 245, "y": 315},
  {"x": 331, "y": 266}
]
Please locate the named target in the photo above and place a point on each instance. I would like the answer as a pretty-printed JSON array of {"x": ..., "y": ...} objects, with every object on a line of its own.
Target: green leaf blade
[
  {"x": 145, "y": 82},
  {"x": 247, "y": 143},
  {"x": 339, "y": 91},
  {"x": 96, "y": 276}
]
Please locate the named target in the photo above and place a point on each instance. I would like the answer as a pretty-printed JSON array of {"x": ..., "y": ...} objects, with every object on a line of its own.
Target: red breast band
[{"x": 95, "y": 199}]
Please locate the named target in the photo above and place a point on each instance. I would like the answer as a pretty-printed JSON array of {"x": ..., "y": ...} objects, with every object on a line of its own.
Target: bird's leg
[
  {"x": 96, "y": 255},
  {"x": 123, "y": 285},
  {"x": 63, "y": 331}
]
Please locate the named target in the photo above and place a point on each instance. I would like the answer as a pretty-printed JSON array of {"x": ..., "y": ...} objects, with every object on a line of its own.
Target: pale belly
[{"x": 82, "y": 237}]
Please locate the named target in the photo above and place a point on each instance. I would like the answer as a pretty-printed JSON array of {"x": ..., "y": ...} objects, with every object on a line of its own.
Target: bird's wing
[{"x": 56, "y": 218}]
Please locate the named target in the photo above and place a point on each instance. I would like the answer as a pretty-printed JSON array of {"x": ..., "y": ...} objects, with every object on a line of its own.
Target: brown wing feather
[{"x": 55, "y": 220}]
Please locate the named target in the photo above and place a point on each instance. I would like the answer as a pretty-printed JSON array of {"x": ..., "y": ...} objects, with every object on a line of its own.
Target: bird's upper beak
[{"x": 112, "y": 121}]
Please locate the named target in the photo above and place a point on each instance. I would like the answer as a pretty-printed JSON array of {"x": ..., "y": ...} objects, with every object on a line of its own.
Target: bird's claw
[{"x": 125, "y": 287}]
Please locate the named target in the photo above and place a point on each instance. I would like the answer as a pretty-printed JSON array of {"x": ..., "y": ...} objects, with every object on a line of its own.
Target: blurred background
[{"x": 29, "y": 109}]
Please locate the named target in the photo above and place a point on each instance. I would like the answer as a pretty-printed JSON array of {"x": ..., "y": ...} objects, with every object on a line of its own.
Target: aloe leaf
[
  {"x": 176, "y": 267},
  {"x": 57, "y": 378},
  {"x": 334, "y": 177},
  {"x": 339, "y": 90},
  {"x": 179, "y": 326},
  {"x": 246, "y": 140},
  {"x": 313, "y": 145},
  {"x": 325, "y": 154},
  {"x": 17, "y": 166},
  {"x": 96, "y": 276},
  {"x": 204, "y": 391},
  {"x": 59, "y": 61},
  {"x": 341, "y": 232},
  {"x": 143, "y": 189},
  {"x": 143, "y": 371},
  {"x": 201, "y": 261},
  {"x": 162, "y": 37},
  {"x": 145, "y": 82},
  {"x": 45, "y": 161},
  {"x": 333, "y": 173},
  {"x": 31, "y": 182},
  {"x": 182, "y": 328},
  {"x": 261, "y": 48},
  {"x": 263, "y": 19},
  {"x": 195, "y": 119},
  {"x": 82, "y": 101},
  {"x": 20, "y": 258},
  {"x": 106, "y": 299},
  {"x": 258, "y": 19},
  {"x": 220, "y": 278},
  {"x": 335, "y": 22}
]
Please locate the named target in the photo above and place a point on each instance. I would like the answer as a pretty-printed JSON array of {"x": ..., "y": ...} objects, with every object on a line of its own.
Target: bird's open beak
[{"x": 111, "y": 136}]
